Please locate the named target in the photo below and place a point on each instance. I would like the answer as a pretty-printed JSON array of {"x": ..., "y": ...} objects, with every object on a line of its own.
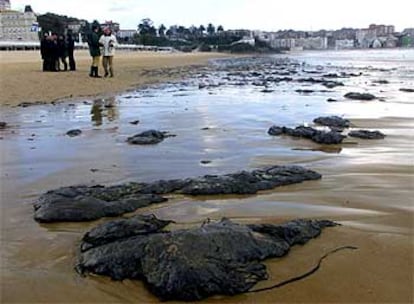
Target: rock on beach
[
  {"x": 320, "y": 137},
  {"x": 333, "y": 121},
  {"x": 365, "y": 134},
  {"x": 360, "y": 96},
  {"x": 407, "y": 90},
  {"x": 217, "y": 258},
  {"x": 74, "y": 133},
  {"x": 150, "y": 137},
  {"x": 82, "y": 203}
]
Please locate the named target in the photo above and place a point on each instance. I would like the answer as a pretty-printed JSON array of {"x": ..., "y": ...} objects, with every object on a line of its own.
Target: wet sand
[
  {"x": 367, "y": 187},
  {"x": 21, "y": 78}
]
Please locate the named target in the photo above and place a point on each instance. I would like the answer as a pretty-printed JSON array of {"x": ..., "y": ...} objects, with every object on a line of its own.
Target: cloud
[{"x": 118, "y": 9}]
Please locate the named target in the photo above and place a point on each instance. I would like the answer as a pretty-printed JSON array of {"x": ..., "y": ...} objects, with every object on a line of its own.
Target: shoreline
[{"x": 23, "y": 81}]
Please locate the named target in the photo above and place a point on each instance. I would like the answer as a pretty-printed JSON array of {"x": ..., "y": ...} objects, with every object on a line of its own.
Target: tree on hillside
[
  {"x": 147, "y": 31},
  {"x": 54, "y": 23},
  {"x": 201, "y": 29},
  {"x": 146, "y": 27},
  {"x": 181, "y": 31},
  {"x": 193, "y": 30},
  {"x": 161, "y": 30},
  {"x": 59, "y": 24},
  {"x": 211, "y": 29},
  {"x": 184, "y": 38}
]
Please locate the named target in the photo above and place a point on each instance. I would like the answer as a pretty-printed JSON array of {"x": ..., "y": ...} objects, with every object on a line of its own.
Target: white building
[
  {"x": 342, "y": 44},
  {"x": 18, "y": 26},
  {"x": 122, "y": 34},
  {"x": 4, "y": 5},
  {"x": 312, "y": 43},
  {"x": 375, "y": 36},
  {"x": 76, "y": 26},
  {"x": 283, "y": 43}
]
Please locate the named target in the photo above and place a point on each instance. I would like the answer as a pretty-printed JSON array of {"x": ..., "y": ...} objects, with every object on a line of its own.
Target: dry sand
[
  {"x": 370, "y": 196},
  {"x": 21, "y": 78}
]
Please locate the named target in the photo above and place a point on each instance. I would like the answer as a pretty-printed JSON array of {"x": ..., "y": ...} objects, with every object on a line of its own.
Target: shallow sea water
[{"x": 219, "y": 129}]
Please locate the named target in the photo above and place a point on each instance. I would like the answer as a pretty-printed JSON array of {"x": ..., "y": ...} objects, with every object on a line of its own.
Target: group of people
[
  {"x": 104, "y": 46},
  {"x": 55, "y": 49}
]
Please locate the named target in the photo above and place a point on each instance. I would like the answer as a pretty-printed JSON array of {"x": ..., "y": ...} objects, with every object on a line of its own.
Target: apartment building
[
  {"x": 126, "y": 35},
  {"x": 17, "y": 26},
  {"x": 375, "y": 36},
  {"x": 114, "y": 26},
  {"x": 4, "y": 5}
]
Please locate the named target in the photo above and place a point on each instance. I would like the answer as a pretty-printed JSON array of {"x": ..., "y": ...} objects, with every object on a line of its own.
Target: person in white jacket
[{"x": 108, "y": 42}]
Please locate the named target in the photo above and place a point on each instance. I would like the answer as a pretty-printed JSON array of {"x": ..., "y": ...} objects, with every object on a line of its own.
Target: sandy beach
[
  {"x": 366, "y": 185},
  {"x": 22, "y": 80}
]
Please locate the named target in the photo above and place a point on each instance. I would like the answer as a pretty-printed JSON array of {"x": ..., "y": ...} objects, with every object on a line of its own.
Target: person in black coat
[
  {"x": 44, "y": 52},
  {"x": 95, "y": 51},
  {"x": 62, "y": 52},
  {"x": 54, "y": 53},
  {"x": 70, "y": 43}
]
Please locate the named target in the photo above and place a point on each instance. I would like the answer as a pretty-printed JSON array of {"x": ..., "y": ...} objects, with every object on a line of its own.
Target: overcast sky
[{"x": 271, "y": 15}]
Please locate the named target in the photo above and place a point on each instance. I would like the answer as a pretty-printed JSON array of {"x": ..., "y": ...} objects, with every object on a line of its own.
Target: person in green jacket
[{"x": 94, "y": 51}]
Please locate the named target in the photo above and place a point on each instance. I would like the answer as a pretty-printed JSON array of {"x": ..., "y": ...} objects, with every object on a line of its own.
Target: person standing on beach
[
  {"x": 70, "y": 42},
  {"x": 54, "y": 53},
  {"x": 47, "y": 52},
  {"x": 44, "y": 51},
  {"x": 108, "y": 41},
  {"x": 94, "y": 51},
  {"x": 62, "y": 52}
]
